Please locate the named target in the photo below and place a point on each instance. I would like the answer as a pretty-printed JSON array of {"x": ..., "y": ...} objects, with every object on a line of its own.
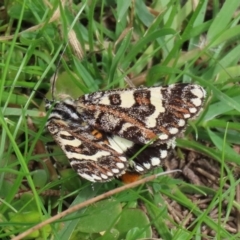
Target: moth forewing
[
  {"x": 143, "y": 114},
  {"x": 88, "y": 150}
]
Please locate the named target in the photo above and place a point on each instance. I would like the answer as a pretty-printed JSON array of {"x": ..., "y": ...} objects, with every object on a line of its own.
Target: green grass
[{"x": 155, "y": 44}]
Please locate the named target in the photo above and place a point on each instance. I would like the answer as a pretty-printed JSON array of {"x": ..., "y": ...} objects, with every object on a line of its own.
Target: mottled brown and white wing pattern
[
  {"x": 89, "y": 152},
  {"x": 143, "y": 114},
  {"x": 100, "y": 131}
]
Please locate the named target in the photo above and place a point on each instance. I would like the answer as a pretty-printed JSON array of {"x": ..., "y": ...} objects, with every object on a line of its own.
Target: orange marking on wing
[
  {"x": 97, "y": 134},
  {"x": 130, "y": 177}
]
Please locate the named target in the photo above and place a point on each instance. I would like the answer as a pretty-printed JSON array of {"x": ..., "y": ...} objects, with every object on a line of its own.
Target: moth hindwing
[{"x": 98, "y": 132}]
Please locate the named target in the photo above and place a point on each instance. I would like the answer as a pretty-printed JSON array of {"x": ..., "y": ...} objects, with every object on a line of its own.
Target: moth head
[
  {"x": 49, "y": 103},
  {"x": 58, "y": 104},
  {"x": 65, "y": 111}
]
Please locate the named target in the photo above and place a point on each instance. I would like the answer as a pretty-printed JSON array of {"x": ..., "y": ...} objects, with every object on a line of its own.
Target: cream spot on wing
[
  {"x": 104, "y": 101},
  {"x": 163, "y": 153},
  {"x": 127, "y": 99},
  {"x": 192, "y": 110},
  {"x": 103, "y": 176},
  {"x": 115, "y": 170},
  {"x": 173, "y": 130},
  {"x": 163, "y": 136},
  {"x": 181, "y": 123},
  {"x": 155, "y": 161},
  {"x": 139, "y": 168},
  {"x": 196, "y": 101},
  {"x": 123, "y": 159},
  {"x": 147, "y": 165},
  {"x": 187, "y": 115},
  {"x": 198, "y": 92},
  {"x": 120, "y": 165}
]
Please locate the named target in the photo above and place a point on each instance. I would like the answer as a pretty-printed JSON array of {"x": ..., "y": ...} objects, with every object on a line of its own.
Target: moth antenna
[{"x": 55, "y": 74}]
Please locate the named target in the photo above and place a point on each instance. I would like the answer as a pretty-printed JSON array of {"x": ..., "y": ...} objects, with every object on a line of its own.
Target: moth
[{"x": 100, "y": 131}]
